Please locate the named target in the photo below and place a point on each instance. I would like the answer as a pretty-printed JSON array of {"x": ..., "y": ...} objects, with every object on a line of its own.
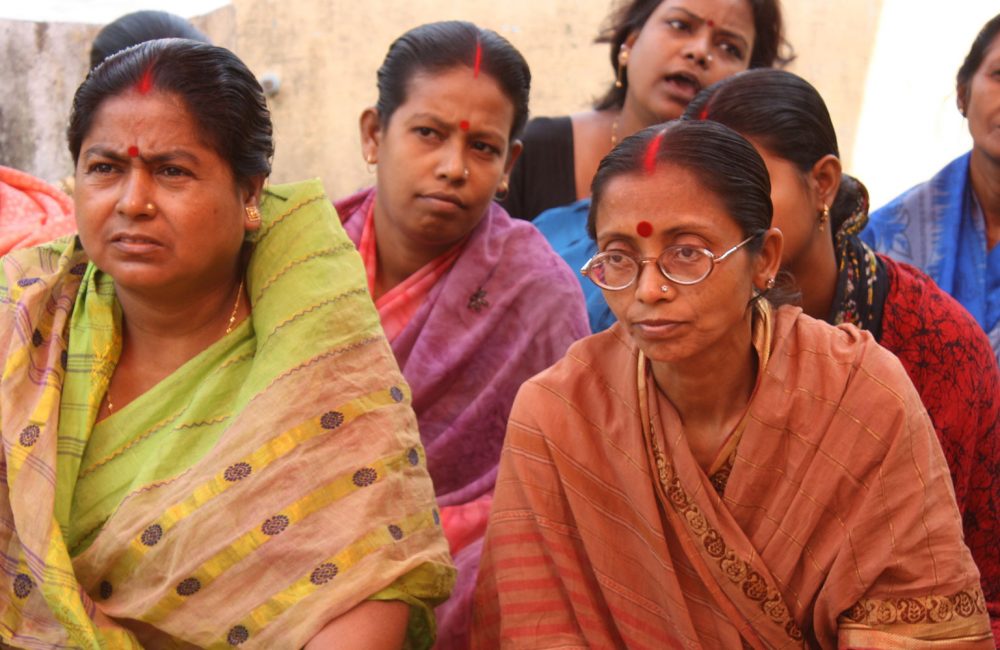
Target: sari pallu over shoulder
[
  {"x": 508, "y": 308},
  {"x": 833, "y": 508},
  {"x": 313, "y": 498}
]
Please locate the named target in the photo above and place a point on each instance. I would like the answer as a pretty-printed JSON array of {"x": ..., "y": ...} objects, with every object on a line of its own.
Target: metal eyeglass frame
[{"x": 642, "y": 261}]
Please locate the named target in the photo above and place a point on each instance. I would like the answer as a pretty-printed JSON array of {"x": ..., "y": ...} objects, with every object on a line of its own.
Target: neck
[
  {"x": 985, "y": 174},
  {"x": 166, "y": 332},
  {"x": 397, "y": 257},
  {"x": 815, "y": 273},
  {"x": 717, "y": 397},
  {"x": 631, "y": 121}
]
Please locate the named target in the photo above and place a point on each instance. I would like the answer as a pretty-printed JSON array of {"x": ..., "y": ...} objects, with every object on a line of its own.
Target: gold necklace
[{"x": 229, "y": 328}]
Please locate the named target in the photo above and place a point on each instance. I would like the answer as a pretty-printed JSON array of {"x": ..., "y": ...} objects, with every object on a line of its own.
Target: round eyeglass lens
[
  {"x": 685, "y": 264},
  {"x": 614, "y": 270}
]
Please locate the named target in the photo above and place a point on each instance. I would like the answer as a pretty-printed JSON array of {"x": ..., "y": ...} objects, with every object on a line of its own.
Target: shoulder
[
  {"x": 929, "y": 329},
  {"x": 829, "y": 362},
  {"x": 591, "y": 383},
  {"x": 952, "y": 174},
  {"x": 548, "y": 131}
]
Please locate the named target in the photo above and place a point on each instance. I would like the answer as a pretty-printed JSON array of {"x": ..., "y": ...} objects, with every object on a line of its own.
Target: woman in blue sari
[{"x": 949, "y": 226}]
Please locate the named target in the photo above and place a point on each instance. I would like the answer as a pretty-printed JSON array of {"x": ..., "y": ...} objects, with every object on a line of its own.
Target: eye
[
  {"x": 732, "y": 50},
  {"x": 174, "y": 172},
  {"x": 486, "y": 147},
  {"x": 100, "y": 168},
  {"x": 688, "y": 254},
  {"x": 425, "y": 132},
  {"x": 679, "y": 25}
]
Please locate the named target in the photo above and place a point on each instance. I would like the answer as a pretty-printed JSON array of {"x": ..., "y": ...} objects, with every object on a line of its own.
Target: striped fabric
[
  {"x": 836, "y": 527},
  {"x": 270, "y": 484}
]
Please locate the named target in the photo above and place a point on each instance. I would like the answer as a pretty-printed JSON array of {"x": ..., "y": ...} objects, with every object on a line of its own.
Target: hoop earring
[
  {"x": 824, "y": 217},
  {"x": 253, "y": 214},
  {"x": 503, "y": 191}
]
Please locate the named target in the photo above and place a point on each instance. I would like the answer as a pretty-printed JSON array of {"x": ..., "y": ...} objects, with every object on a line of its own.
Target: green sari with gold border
[{"x": 267, "y": 486}]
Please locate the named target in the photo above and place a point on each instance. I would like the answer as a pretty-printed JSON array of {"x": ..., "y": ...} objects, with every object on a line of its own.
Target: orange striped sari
[{"x": 831, "y": 523}]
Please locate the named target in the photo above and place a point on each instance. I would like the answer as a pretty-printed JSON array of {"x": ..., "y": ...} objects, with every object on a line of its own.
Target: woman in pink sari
[{"x": 472, "y": 302}]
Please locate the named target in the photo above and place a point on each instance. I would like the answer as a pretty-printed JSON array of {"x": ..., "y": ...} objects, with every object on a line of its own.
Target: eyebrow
[
  {"x": 167, "y": 156},
  {"x": 445, "y": 126},
  {"x": 726, "y": 32},
  {"x": 686, "y": 228}
]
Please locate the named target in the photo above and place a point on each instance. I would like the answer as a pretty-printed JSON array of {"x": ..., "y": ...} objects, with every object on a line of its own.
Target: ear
[
  {"x": 825, "y": 177},
  {"x": 962, "y": 98},
  {"x": 626, "y": 47},
  {"x": 768, "y": 261},
  {"x": 371, "y": 134},
  {"x": 516, "y": 147},
  {"x": 252, "y": 189}
]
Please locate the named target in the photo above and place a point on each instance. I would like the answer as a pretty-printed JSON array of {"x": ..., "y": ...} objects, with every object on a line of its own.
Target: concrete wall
[{"x": 326, "y": 53}]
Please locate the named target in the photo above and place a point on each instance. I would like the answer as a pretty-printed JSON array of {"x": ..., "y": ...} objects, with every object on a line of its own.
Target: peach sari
[{"x": 828, "y": 519}]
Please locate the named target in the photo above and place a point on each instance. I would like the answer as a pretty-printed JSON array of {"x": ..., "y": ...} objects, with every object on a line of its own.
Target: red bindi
[
  {"x": 710, "y": 22},
  {"x": 133, "y": 151},
  {"x": 644, "y": 229},
  {"x": 464, "y": 125},
  {"x": 479, "y": 59}
]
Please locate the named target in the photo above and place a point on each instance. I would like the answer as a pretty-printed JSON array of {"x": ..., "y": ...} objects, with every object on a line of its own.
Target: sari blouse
[
  {"x": 833, "y": 525},
  {"x": 270, "y": 484}
]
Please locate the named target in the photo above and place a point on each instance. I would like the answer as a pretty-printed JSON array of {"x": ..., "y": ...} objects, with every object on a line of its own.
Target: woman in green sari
[{"x": 205, "y": 442}]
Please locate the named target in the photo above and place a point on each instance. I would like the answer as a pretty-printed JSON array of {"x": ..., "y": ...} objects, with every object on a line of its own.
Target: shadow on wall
[{"x": 44, "y": 63}]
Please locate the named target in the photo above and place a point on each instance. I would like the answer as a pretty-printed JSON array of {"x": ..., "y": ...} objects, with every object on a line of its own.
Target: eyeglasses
[{"x": 618, "y": 269}]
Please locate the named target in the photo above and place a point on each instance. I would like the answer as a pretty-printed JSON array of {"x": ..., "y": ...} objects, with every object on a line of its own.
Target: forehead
[
  {"x": 152, "y": 118},
  {"x": 992, "y": 53},
  {"x": 670, "y": 198},
  {"x": 457, "y": 94},
  {"x": 732, "y": 15}
]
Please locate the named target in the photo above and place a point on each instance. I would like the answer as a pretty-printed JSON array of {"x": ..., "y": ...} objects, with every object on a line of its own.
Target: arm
[{"x": 374, "y": 625}]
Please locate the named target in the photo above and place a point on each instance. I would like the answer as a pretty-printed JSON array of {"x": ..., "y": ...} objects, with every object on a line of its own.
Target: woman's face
[
  {"x": 796, "y": 212},
  {"x": 157, "y": 208},
  {"x": 683, "y": 322},
  {"x": 442, "y": 156},
  {"x": 685, "y": 46},
  {"x": 983, "y": 106}
]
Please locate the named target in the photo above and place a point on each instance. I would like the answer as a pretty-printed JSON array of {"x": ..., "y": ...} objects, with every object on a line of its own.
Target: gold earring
[
  {"x": 770, "y": 283},
  {"x": 370, "y": 163},
  {"x": 824, "y": 217},
  {"x": 622, "y": 62},
  {"x": 253, "y": 214},
  {"x": 503, "y": 190}
]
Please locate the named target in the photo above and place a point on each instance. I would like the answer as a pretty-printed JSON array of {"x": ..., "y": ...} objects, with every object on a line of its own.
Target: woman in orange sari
[{"x": 711, "y": 471}]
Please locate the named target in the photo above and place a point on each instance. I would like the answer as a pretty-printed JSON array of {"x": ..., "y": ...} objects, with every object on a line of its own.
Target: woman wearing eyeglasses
[{"x": 713, "y": 471}]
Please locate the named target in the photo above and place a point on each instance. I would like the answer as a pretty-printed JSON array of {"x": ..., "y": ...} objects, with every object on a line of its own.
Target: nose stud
[
  {"x": 465, "y": 174},
  {"x": 663, "y": 288},
  {"x": 150, "y": 208}
]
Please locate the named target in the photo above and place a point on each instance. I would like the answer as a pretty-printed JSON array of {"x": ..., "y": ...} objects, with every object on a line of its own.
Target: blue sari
[
  {"x": 565, "y": 228},
  {"x": 938, "y": 227}
]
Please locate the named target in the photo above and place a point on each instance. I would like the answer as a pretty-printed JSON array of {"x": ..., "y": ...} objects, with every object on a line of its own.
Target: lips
[
  {"x": 135, "y": 243},
  {"x": 443, "y": 198},
  {"x": 683, "y": 85},
  {"x": 655, "y": 328}
]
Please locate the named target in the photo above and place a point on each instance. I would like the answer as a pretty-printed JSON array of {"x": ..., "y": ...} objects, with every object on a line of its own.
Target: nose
[
  {"x": 136, "y": 198},
  {"x": 699, "y": 47},
  {"x": 649, "y": 286},
  {"x": 451, "y": 163}
]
